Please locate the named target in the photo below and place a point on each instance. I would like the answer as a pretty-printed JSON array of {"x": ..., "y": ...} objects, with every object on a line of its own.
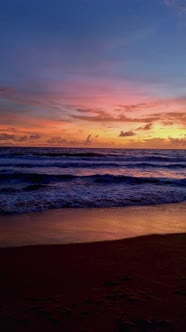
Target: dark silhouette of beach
[{"x": 136, "y": 284}]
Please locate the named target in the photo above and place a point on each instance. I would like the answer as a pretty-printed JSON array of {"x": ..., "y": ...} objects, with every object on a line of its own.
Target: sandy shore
[
  {"x": 89, "y": 225},
  {"x": 136, "y": 284}
]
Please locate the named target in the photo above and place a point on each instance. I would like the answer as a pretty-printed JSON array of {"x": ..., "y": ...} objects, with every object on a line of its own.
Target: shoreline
[
  {"x": 120, "y": 279},
  {"x": 63, "y": 226},
  {"x": 136, "y": 284}
]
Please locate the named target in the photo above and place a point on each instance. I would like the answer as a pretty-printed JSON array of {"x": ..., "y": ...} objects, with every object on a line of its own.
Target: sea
[{"x": 38, "y": 179}]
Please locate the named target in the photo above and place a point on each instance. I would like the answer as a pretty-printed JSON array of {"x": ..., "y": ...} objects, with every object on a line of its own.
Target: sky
[{"x": 93, "y": 73}]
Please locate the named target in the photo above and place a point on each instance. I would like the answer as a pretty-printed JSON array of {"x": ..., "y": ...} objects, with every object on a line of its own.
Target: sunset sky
[{"x": 93, "y": 73}]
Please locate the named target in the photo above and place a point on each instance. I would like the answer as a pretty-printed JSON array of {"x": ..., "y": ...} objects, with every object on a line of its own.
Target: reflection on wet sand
[{"x": 89, "y": 225}]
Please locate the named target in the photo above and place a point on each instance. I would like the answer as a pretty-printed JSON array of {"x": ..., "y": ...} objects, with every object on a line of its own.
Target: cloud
[
  {"x": 24, "y": 108},
  {"x": 60, "y": 141},
  {"x": 90, "y": 139},
  {"x": 11, "y": 129},
  {"x": 22, "y": 139},
  {"x": 178, "y": 141},
  {"x": 147, "y": 112},
  {"x": 167, "y": 123},
  {"x": 110, "y": 118},
  {"x": 27, "y": 106},
  {"x": 138, "y": 106},
  {"x": 53, "y": 141},
  {"x": 4, "y": 90},
  {"x": 6, "y": 137},
  {"x": 25, "y": 117},
  {"x": 35, "y": 136},
  {"x": 89, "y": 110},
  {"x": 15, "y": 138},
  {"x": 126, "y": 133},
  {"x": 173, "y": 117},
  {"x": 148, "y": 126},
  {"x": 56, "y": 140},
  {"x": 27, "y": 138}
]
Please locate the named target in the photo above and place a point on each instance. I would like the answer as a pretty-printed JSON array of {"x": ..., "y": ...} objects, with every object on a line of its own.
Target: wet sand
[
  {"x": 136, "y": 284},
  {"x": 90, "y": 225}
]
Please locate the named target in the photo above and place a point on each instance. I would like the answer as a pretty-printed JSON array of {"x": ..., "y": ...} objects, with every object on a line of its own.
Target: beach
[
  {"x": 72, "y": 225},
  {"x": 137, "y": 283}
]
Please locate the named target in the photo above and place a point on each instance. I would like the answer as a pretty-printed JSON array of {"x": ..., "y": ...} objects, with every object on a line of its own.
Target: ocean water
[{"x": 36, "y": 179}]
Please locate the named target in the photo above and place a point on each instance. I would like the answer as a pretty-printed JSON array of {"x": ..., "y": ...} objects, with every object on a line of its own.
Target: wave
[
  {"x": 108, "y": 178},
  {"x": 107, "y": 154},
  {"x": 101, "y": 158},
  {"x": 35, "y": 177},
  {"x": 59, "y": 154},
  {"x": 97, "y": 178},
  {"x": 24, "y": 202},
  {"x": 11, "y": 190},
  {"x": 31, "y": 179},
  {"x": 94, "y": 165}
]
